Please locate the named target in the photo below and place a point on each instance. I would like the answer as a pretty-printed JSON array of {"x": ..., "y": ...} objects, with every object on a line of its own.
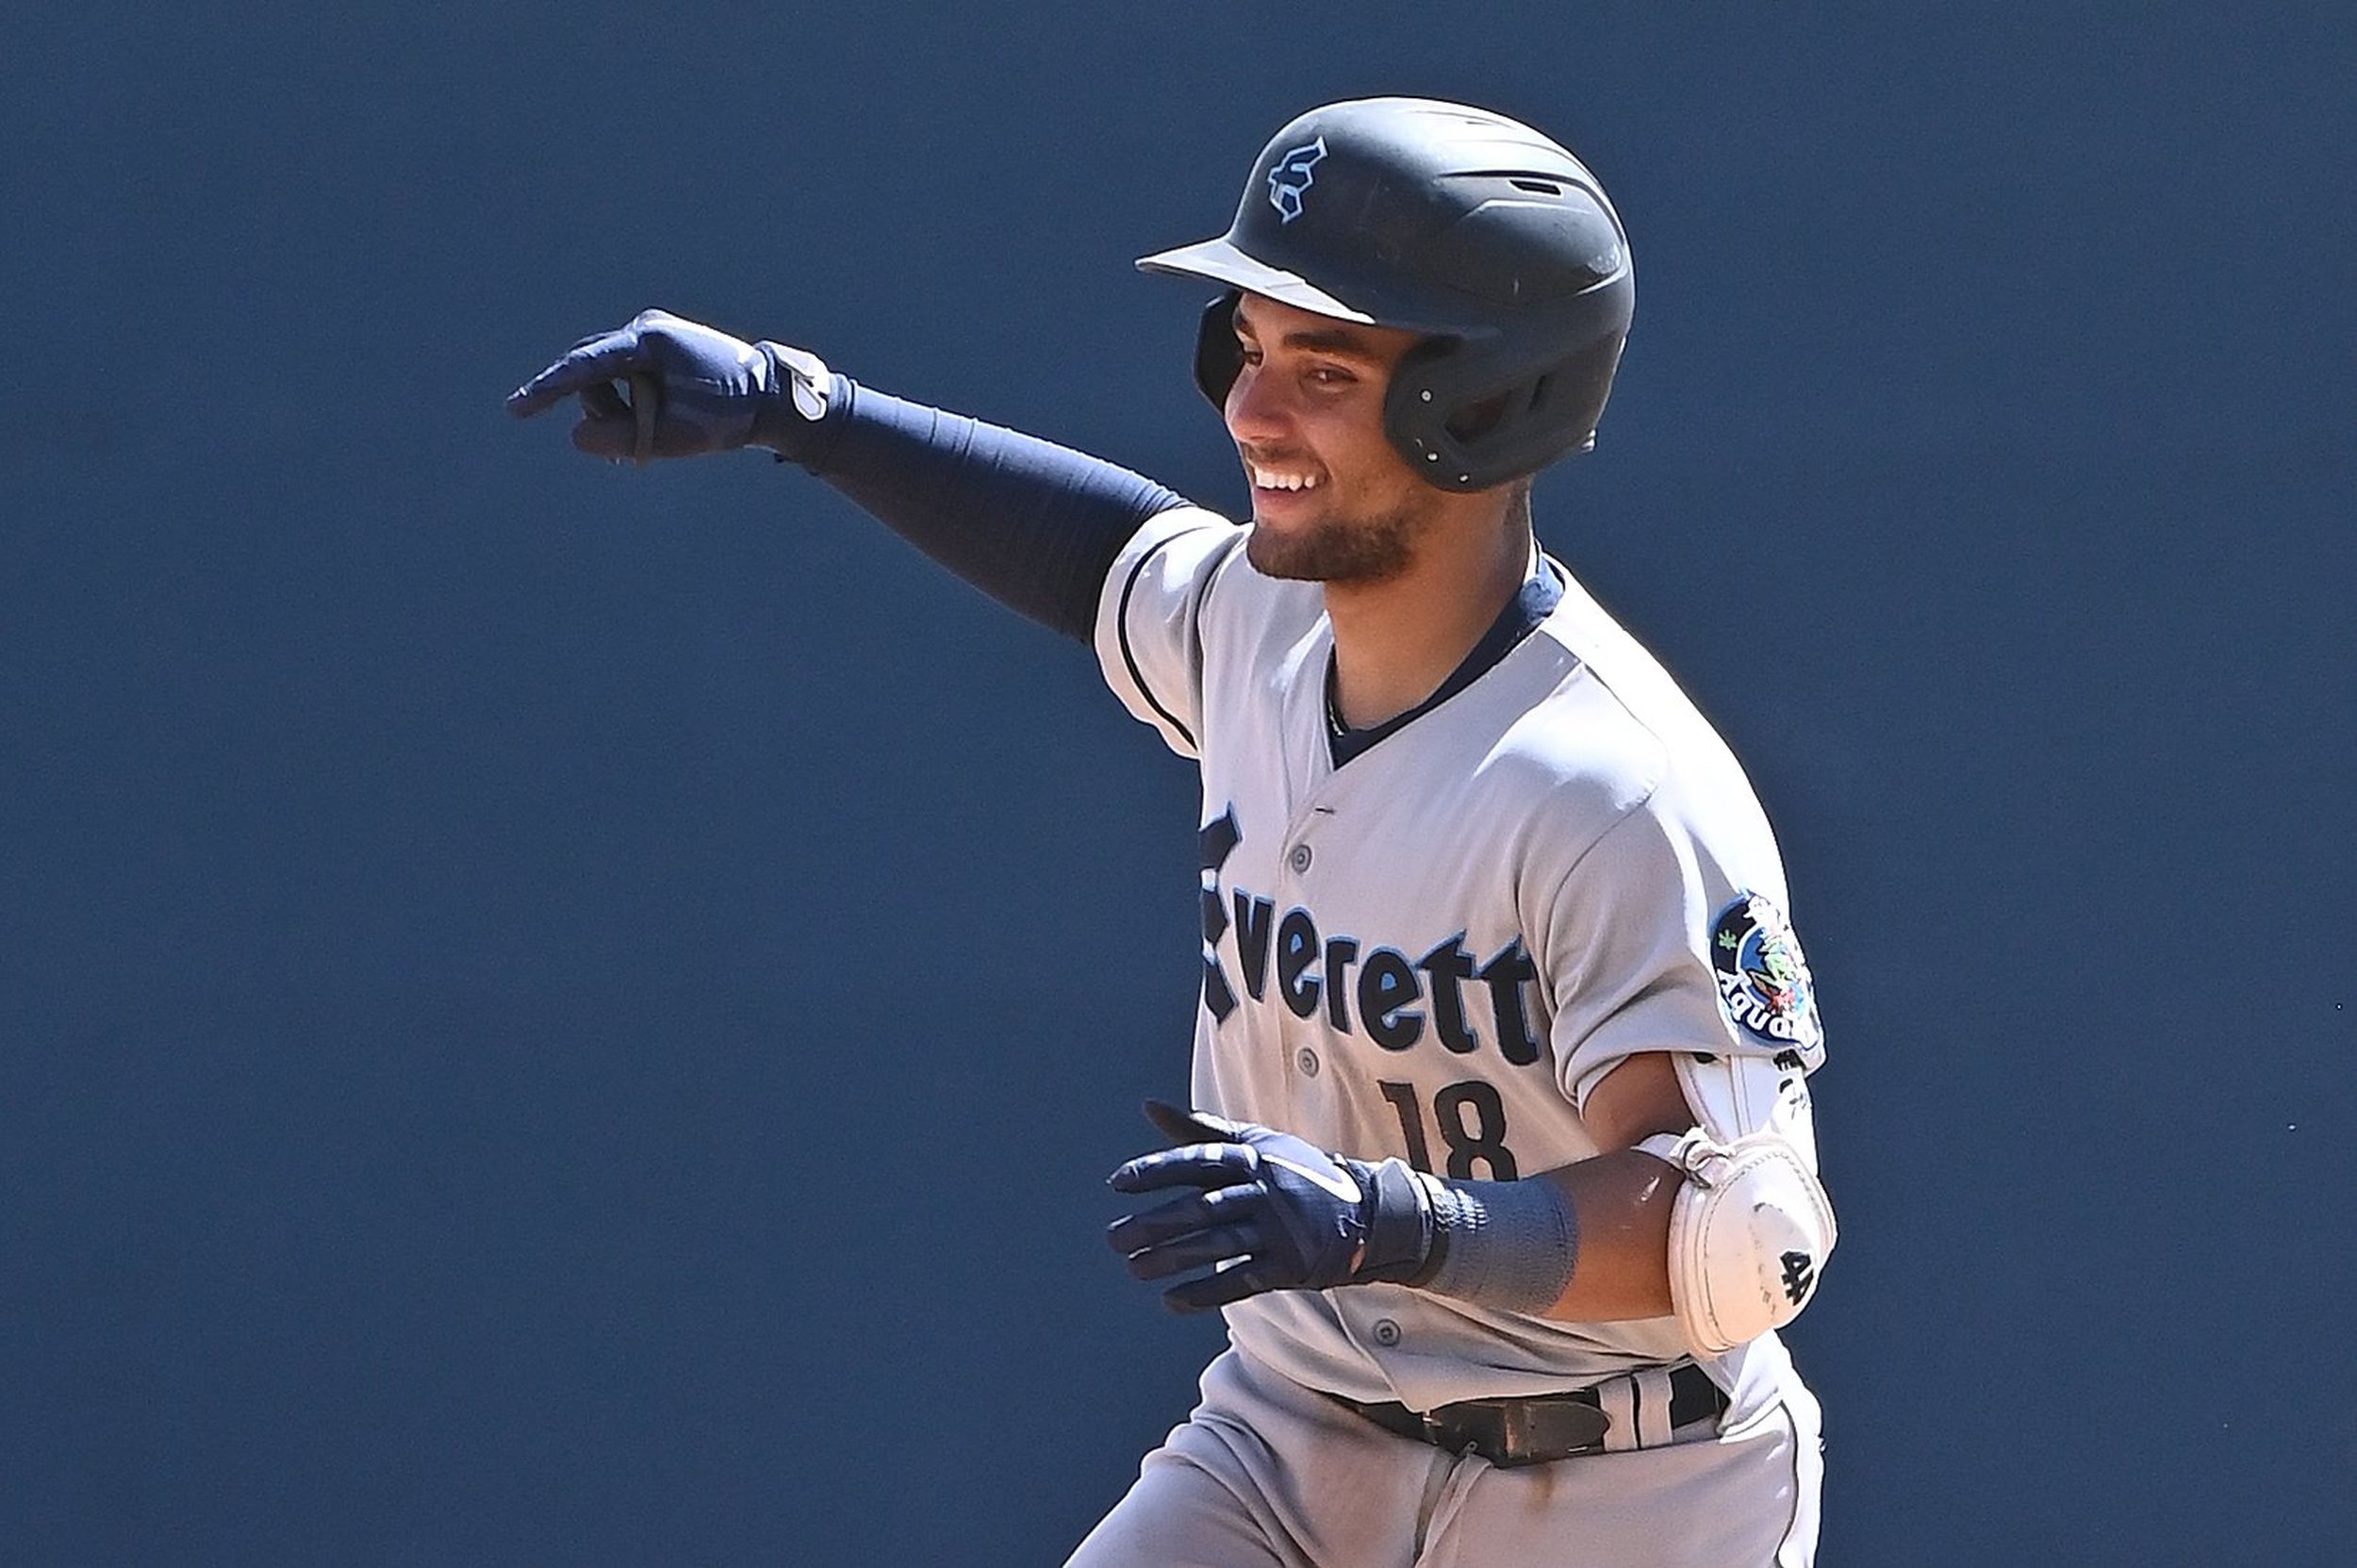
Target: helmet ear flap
[
  {"x": 1463, "y": 428},
  {"x": 1218, "y": 357},
  {"x": 1416, "y": 410}
]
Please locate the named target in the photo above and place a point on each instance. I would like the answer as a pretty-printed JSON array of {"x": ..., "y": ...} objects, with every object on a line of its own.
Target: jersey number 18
[{"x": 1472, "y": 1102}]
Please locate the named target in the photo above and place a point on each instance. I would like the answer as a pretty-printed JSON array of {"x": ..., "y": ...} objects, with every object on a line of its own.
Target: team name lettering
[{"x": 1381, "y": 992}]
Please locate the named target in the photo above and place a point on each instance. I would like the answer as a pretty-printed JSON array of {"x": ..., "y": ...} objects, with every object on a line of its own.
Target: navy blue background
[{"x": 563, "y": 1013}]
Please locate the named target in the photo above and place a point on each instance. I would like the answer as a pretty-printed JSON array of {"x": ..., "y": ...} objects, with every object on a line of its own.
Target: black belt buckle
[{"x": 1513, "y": 1432}]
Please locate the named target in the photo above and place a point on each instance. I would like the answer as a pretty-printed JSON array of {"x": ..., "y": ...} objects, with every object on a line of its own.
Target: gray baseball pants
[{"x": 1268, "y": 1473}]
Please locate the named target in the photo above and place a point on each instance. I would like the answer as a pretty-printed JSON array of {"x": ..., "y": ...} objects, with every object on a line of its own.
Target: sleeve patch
[{"x": 1764, "y": 985}]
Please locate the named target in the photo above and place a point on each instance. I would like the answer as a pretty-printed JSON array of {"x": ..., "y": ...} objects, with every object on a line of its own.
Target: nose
[{"x": 1256, "y": 410}]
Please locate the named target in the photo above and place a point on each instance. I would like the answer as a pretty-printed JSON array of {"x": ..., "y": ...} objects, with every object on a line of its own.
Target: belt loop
[
  {"x": 1617, "y": 1398},
  {"x": 1652, "y": 1406}
]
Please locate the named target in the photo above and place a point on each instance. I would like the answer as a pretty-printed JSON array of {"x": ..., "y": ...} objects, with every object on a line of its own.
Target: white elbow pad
[{"x": 1749, "y": 1233}]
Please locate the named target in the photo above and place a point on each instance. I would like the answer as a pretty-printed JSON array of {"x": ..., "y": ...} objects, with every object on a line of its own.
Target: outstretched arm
[{"x": 1034, "y": 526}]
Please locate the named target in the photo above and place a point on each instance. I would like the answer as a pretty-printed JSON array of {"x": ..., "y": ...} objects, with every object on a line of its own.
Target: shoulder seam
[{"x": 1625, "y": 813}]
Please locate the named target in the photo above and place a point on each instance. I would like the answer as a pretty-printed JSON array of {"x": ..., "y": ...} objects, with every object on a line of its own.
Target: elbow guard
[{"x": 1749, "y": 1233}]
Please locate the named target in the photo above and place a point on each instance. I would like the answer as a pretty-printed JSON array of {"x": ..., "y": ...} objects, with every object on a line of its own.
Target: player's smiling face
[{"x": 1332, "y": 501}]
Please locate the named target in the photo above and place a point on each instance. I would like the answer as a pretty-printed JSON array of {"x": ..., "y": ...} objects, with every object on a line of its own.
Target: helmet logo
[{"x": 1291, "y": 177}]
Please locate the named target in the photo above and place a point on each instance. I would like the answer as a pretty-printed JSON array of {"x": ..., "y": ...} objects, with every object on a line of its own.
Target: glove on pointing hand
[
  {"x": 693, "y": 390},
  {"x": 1268, "y": 1211}
]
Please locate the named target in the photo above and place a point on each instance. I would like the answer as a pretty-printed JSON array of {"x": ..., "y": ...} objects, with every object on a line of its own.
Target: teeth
[{"x": 1268, "y": 479}]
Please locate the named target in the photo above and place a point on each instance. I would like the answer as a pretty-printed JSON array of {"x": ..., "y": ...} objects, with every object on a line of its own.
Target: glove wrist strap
[
  {"x": 792, "y": 401},
  {"x": 1399, "y": 1223}
]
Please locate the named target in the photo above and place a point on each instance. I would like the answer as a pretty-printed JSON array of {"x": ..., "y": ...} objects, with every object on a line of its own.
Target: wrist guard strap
[{"x": 1508, "y": 1246}]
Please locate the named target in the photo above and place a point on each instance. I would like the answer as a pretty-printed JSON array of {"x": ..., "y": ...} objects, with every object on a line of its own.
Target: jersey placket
[
  {"x": 1316, "y": 831},
  {"x": 1308, "y": 776}
]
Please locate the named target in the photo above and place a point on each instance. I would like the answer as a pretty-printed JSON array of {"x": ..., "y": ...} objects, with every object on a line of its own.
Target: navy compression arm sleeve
[{"x": 1034, "y": 526}]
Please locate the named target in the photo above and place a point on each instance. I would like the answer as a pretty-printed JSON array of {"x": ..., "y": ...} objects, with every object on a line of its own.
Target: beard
[{"x": 1335, "y": 549}]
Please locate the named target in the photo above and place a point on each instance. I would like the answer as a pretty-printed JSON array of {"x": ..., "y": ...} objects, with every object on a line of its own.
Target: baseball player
[{"x": 1500, "y": 1161}]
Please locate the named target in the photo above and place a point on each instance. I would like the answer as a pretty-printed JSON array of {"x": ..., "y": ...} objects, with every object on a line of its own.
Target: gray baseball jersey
[{"x": 1437, "y": 948}]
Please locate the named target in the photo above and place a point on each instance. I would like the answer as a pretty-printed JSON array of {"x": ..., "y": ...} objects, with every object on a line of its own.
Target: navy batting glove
[
  {"x": 1266, "y": 1211},
  {"x": 691, "y": 390}
]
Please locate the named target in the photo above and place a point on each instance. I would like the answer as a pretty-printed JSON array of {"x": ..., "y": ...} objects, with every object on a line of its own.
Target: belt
[{"x": 1548, "y": 1426}]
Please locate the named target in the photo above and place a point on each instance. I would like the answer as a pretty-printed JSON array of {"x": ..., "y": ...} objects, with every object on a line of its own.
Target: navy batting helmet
[{"x": 1473, "y": 229}]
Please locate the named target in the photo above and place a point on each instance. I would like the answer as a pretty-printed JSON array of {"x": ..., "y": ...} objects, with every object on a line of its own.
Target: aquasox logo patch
[
  {"x": 1291, "y": 179},
  {"x": 1764, "y": 983}
]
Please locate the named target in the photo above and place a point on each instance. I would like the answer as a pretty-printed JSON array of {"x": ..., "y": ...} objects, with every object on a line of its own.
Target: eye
[{"x": 1331, "y": 375}]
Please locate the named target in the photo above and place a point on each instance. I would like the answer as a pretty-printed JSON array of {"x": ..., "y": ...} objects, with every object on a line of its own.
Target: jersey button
[
  {"x": 1307, "y": 1060},
  {"x": 1386, "y": 1332},
  {"x": 1299, "y": 859}
]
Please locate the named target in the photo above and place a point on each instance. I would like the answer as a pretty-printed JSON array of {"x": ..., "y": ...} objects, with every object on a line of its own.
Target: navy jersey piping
[{"x": 1121, "y": 631}]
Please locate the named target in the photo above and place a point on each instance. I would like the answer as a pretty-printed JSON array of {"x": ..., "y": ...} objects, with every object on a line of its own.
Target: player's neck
[{"x": 1395, "y": 641}]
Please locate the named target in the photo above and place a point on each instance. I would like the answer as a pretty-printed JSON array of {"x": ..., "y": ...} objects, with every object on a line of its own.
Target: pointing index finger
[{"x": 605, "y": 357}]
